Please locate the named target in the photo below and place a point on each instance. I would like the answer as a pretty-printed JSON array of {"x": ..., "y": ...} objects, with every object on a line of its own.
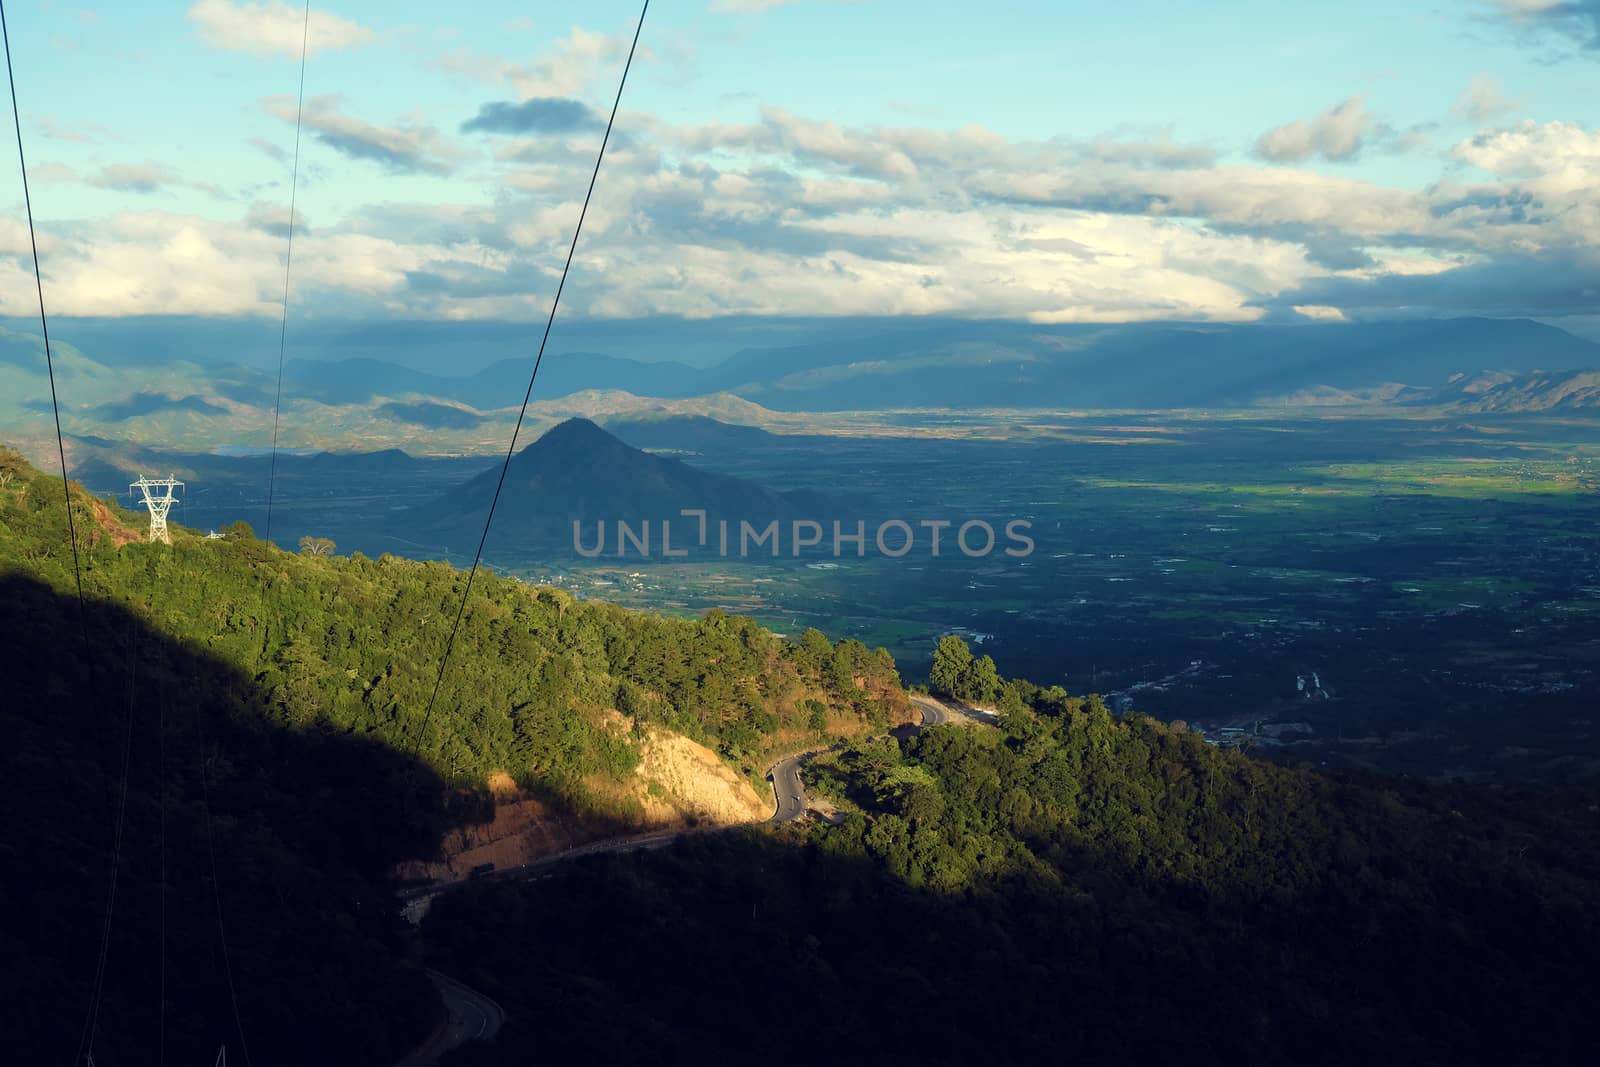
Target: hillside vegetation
[
  {"x": 1072, "y": 887},
  {"x": 234, "y": 832},
  {"x": 353, "y": 646},
  {"x": 266, "y": 705}
]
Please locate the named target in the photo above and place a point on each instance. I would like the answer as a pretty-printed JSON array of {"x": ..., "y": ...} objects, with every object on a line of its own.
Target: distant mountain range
[
  {"x": 367, "y": 403},
  {"x": 1022, "y": 366},
  {"x": 1500, "y": 392},
  {"x": 661, "y": 432},
  {"x": 501, "y": 384}
]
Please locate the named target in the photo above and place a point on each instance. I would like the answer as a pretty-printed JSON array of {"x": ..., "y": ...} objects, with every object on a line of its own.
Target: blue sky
[{"x": 1226, "y": 161}]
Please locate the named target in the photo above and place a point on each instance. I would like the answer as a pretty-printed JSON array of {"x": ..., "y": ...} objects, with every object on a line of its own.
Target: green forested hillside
[
  {"x": 1071, "y": 887},
  {"x": 353, "y": 645},
  {"x": 235, "y": 831},
  {"x": 265, "y": 705}
]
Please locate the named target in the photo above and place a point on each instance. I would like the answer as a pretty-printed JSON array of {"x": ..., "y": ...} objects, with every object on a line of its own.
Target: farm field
[
  {"x": 1362, "y": 588},
  {"x": 1436, "y": 579}
]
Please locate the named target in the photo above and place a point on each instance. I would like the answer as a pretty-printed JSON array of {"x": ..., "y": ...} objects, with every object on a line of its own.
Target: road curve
[
  {"x": 934, "y": 711},
  {"x": 789, "y": 791},
  {"x": 937, "y": 710},
  {"x": 788, "y": 794},
  {"x": 473, "y": 1017}
]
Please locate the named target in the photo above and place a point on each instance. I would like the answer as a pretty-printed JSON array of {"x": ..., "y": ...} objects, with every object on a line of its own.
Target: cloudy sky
[{"x": 1226, "y": 161}]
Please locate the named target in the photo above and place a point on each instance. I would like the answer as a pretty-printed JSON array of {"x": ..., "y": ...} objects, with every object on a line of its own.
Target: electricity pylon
[{"x": 159, "y": 505}]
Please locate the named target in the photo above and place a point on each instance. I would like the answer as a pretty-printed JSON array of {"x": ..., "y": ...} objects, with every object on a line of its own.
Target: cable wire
[
  {"x": 44, "y": 325},
  {"x": 161, "y": 849},
  {"x": 216, "y": 888},
  {"x": 477, "y": 558},
  {"x": 91, "y": 1023},
  {"x": 288, "y": 259}
]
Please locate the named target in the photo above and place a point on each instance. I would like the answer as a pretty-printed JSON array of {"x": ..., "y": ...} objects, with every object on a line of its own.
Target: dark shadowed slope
[
  {"x": 304, "y": 824},
  {"x": 1065, "y": 888}
]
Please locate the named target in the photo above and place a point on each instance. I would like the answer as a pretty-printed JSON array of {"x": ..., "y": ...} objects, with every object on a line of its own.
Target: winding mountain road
[
  {"x": 788, "y": 794},
  {"x": 938, "y": 710},
  {"x": 788, "y": 790},
  {"x": 474, "y": 1016}
]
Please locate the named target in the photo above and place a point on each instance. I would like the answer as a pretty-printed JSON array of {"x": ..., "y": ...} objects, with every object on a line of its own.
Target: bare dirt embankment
[
  {"x": 678, "y": 783},
  {"x": 120, "y": 535},
  {"x": 684, "y": 781},
  {"x": 523, "y": 828}
]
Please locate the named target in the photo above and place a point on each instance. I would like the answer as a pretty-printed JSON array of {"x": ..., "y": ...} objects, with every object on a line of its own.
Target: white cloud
[
  {"x": 135, "y": 178},
  {"x": 566, "y": 70},
  {"x": 827, "y": 142},
  {"x": 1484, "y": 98},
  {"x": 791, "y": 215},
  {"x": 1578, "y": 20},
  {"x": 51, "y": 174},
  {"x": 1548, "y": 199},
  {"x": 1336, "y": 134},
  {"x": 1234, "y": 196},
  {"x": 576, "y": 60},
  {"x": 158, "y": 263},
  {"x": 1525, "y": 8},
  {"x": 1531, "y": 148},
  {"x": 1320, "y": 312},
  {"x": 274, "y": 28},
  {"x": 410, "y": 146}
]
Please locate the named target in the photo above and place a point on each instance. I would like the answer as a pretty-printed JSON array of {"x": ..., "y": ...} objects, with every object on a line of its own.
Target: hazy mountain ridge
[
  {"x": 1116, "y": 366},
  {"x": 684, "y": 433},
  {"x": 365, "y": 402},
  {"x": 1504, "y": 393}
]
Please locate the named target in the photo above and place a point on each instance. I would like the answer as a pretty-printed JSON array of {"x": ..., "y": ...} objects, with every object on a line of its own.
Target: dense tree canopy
[
  {"x": 353, "y": 645},
  {"x": 267, "y": 704},
  {"x": 1072, "y": 887},
  {"x": 956, "y": 673}
]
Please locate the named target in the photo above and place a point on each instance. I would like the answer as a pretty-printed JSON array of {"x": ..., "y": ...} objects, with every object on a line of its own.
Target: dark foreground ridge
[
  {"x": 306, "y": 826},
  {"x": 1069, "y": 887}
]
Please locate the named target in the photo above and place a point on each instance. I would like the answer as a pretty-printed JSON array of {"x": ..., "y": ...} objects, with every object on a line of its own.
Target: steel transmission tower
[{"x": 159, "y": 504}]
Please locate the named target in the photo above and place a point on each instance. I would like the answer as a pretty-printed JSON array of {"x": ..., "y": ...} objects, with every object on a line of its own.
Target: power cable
[
  {"x": 91, "y": 1024},
  {"x": 44, "y": 326},
  {"x": 288, "y": 259},
  {"x": 277, "y": 407},
  {"x": 477, "y": 558},
  {"x": 161, "y": 849},
  {"x": 216, "y": 888}
]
